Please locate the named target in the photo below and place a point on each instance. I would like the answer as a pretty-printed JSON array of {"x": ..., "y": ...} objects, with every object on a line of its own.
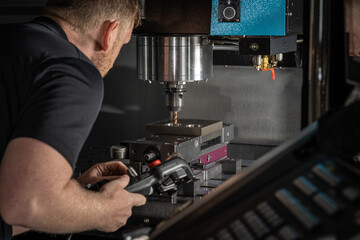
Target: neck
[{"x": 85, "y": 42}]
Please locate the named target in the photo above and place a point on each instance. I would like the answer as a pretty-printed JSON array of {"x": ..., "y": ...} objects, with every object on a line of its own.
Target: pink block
[{"x": 214, "y": 155}]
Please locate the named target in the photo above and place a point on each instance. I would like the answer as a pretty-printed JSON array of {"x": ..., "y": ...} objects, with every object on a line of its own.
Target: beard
[
  {"x": 102, "y": 63},
  {"x": 104, "y": 60}
]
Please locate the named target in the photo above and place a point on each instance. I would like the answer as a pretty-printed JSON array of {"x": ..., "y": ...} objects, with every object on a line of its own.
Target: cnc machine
[
  {"x": 295, "y": 191},
  {"x": 196, "y": 49},
  {"x": 175, "y": 47}
]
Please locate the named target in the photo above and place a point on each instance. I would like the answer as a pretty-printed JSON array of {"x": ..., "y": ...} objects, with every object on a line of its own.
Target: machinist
[{"x": 51, "y": 90}]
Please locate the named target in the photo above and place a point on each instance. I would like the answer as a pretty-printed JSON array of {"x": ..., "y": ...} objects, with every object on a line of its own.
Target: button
[
  {"x": 288, "y": 233},
  {"x": 256, "y": 224},
  {"x": 351, "y": 193},
  {"x": 307, "y": 218},
  {"x": 224, "y": 234},
  {"x": 229, "y": 13},
  {"x": 240, "y": 231},
  {"x": 154, "y": 163},
  {"x": 322, "y": 172},
  {"x": 269, "y": 214},
  {"x": 326, "y": 203},
  {"x": 305, "y": 186}
]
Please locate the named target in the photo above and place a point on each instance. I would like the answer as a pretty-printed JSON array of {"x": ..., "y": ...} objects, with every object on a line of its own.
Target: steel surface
[
  {"x": 185, "y": 127},
  {"x": 174, "y": 59}
]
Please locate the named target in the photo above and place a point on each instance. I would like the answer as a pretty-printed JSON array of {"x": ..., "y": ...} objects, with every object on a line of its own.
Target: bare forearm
[
  {"x": 72, "y": 210},
  {"x": 43, "y": 196}
]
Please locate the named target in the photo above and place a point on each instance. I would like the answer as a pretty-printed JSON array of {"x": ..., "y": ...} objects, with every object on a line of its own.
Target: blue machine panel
[{"x": 257, "y": 18}]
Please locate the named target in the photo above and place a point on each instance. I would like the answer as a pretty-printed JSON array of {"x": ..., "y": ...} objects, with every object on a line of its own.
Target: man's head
[{"x": 107, "y": 24}]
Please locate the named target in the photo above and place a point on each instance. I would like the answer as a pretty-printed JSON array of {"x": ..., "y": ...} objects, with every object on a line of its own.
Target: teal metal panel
[{"x": 257, "y": 18}]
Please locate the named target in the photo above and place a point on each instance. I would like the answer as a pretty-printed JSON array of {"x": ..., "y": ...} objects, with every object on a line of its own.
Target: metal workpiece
[
  {"x": 164, "y": 146},
  {"x": 118, "y": 152},
  {"x": 174, "y": 58},
  {"x": 185, "y": 127},
  {"x": 213, "y": 137}
]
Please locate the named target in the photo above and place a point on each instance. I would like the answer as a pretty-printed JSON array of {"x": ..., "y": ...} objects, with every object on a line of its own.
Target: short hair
[{"x": 83, "y": 15}]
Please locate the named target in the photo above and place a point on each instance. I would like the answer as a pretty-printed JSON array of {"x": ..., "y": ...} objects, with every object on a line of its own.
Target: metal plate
[
  {"x": 257, "y": 18},
  {"x": 186, "y": 127}
]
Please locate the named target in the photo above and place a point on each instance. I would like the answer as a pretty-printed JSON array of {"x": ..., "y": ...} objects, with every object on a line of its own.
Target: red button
[{"x": 154, "y": 163}]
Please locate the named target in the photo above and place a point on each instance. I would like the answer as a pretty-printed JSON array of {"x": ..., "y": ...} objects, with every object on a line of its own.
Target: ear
[{"x": 108, "y": 34}]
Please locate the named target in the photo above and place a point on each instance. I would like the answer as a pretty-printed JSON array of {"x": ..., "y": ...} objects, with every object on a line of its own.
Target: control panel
[{"x": 322, "y": 202}]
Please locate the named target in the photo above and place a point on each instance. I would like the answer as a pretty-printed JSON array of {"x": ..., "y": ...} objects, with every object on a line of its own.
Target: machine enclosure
[
  {"x": 252, "y": 18},
  {"x": 257, "y": 18}
]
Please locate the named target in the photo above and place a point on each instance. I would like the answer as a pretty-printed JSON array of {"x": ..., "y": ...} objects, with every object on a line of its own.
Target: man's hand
[
  {"x": 102, "y": 171},
  {"x": 122, "y": 200},
  {"x": 114, "y": 191}
]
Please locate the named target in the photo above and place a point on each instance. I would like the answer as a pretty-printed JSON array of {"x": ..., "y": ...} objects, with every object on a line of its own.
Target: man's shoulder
[
  {"x": 39, "y": 40},
  {"x": 41, "y": 47},
  {"x": 70, "y": 67}
]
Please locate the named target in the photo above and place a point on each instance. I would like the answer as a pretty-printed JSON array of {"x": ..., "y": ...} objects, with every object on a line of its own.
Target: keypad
[
  {"x": 302, "y": 213},
  {"x": 308, "y": 198}
]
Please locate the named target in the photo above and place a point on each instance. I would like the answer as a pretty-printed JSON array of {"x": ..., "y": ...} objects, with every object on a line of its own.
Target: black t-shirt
[{"x": 49, "y": 90}]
